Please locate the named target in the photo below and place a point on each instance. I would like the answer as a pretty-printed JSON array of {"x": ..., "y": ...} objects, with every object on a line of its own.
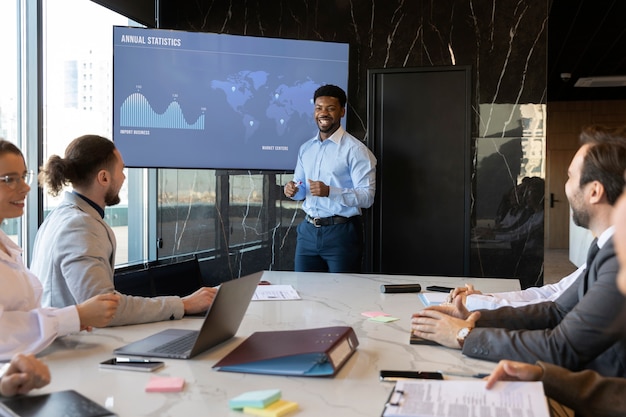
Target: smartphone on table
[
  {"x": 131, "y": 364},
  {"x": 439, "y": 288}
]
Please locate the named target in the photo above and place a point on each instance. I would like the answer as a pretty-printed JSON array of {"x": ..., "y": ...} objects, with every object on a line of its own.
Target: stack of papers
[
  {"x": 275, "y": 292},
  {"x": 429, "y": 398}
]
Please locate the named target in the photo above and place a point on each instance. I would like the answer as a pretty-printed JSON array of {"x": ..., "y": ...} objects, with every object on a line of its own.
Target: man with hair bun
[{"x": 74, "y": 252}]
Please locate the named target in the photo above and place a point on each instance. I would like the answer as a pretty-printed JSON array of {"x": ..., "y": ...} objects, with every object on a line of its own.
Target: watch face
[{"x": 463, "y": 332}]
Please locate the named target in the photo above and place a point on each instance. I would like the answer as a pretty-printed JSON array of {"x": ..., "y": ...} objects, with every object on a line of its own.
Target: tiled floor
[{"x": 556, "y": 265}]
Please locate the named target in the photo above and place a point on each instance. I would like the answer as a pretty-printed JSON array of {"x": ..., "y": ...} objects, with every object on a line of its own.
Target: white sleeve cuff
[{"x": 68, "y": 320}]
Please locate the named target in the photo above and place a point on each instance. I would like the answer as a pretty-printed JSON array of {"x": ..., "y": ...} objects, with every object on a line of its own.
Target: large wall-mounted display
[{"x": 203, "y": 100}]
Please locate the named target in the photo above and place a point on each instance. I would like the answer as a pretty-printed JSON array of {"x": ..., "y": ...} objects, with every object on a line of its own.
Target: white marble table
[{"x": 327, "y": 300}]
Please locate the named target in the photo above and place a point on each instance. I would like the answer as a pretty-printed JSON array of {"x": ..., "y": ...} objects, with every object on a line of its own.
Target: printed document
[
  {"x": 462, "y": 398},
  {"x": 275, "y": 292}
]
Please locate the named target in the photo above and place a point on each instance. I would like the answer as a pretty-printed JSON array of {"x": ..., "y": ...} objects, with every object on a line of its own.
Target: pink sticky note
[
  {"x": 373, "y": 313},
  {"x": 165, "y": 384}
]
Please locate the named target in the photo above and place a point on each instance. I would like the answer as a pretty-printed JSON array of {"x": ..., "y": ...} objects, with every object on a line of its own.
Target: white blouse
[
  {"x": 532, "y": 295},
  {"x": 25, "y": 326}
]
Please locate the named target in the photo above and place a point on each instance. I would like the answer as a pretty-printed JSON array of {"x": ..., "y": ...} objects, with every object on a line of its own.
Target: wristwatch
[{"x": 462, "y": 334}]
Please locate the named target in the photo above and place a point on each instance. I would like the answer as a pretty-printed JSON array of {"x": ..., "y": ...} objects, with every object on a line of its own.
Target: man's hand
[
  {"x": 455, "y": 309},
  {"x": 199, "y": 301},
  {"x": 514, "y": 371},
  {"x": 463, "y": 292},
  {"x": 437, "y": 324},
  {"x": 290, "y": 189},
  {"x": 318, "y": 189},
  {"x": 98, "y": 311},
  {"x": 25, "y": 372}
]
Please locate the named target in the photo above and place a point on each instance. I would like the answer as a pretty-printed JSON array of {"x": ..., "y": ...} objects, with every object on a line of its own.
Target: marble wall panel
[{"x": 504, "y": 41}]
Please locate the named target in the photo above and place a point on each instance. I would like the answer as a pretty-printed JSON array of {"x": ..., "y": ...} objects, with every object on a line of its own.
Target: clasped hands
[
  {"x": 462, "y": 292},
  {"x": 24, "y": 373},
  {"x": 442, "y": 323},
  {"x": 316, "y": 188}
]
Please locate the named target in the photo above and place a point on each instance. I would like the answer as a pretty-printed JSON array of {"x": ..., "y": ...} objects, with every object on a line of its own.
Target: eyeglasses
[{"x": 12, "y": 180}]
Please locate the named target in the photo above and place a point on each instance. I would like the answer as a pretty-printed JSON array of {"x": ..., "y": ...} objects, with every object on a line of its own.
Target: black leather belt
[{"x": 327, "y": 221}]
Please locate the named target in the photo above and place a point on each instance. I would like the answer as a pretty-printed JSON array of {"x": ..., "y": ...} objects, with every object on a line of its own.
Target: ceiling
[{"x": 586, "y": 38}]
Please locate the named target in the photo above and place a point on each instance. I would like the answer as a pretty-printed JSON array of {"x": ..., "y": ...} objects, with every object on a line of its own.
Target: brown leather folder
[{"x": 308, "y": 352}]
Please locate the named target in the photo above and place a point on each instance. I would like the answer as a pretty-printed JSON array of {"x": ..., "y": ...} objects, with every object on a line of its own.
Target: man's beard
[
  {"x": 111, "y": 199},
  {"x": 580, "y": 218}
]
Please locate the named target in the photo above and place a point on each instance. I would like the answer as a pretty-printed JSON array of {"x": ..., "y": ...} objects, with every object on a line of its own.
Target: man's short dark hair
[
  {"x": 598, "y": 133},
  {"x": 330, "y": 90},
  {"x": 606, "y": 162}
]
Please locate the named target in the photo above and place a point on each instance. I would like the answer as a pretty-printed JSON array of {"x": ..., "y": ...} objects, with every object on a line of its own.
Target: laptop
[{"x": 220, "y": 323}]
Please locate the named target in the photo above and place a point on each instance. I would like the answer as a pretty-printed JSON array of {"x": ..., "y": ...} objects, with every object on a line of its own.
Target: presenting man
[
  {"x": 573, "y": 330},
  {"x": 335, "y": 175},
  {"x": 74, "y": 253}
]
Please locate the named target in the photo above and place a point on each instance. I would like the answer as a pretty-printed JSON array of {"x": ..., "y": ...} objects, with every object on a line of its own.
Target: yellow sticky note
[{"x": 276, "y": 409}]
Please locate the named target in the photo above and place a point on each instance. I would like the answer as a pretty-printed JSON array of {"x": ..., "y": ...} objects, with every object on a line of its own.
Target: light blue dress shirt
[{"x": 343, "y": 163}]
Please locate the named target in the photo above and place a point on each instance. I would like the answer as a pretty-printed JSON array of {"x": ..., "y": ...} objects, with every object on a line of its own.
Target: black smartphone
[
  {"x": 439, "y": 288},
  {"x": 386, "y": 375},
  {"x": 142, "y": 365}
]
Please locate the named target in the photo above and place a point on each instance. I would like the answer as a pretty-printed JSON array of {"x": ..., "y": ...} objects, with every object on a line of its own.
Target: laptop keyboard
[{"x": 180, "y": 345}]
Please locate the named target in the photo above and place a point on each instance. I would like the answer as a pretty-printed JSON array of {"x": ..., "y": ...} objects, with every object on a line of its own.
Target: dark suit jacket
[
  {"x": 585, "y": 392},
  {"x": 573, "y": 332}
]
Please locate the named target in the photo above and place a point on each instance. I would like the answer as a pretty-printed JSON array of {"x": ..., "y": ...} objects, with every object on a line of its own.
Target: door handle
[{"x": 553, "y": 200}]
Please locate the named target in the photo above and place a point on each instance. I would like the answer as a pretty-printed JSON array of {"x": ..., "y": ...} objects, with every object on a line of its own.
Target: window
[
  {"x": 72, "y": 46},
  {"x": 236, "y": 221},
  {"x": 9, "y": 100},
  {"x": 187, "y": 215}
]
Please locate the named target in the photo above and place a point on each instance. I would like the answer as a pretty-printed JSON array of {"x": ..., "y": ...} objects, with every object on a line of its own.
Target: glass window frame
[{"x": 143, "y": 184}]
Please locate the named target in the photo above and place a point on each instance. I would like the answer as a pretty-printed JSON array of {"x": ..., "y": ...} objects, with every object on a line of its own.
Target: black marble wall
[{"x": 504, "y": 41}]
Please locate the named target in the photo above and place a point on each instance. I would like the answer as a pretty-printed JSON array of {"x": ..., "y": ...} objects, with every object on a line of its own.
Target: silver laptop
[{"x": 220, "y": 324}]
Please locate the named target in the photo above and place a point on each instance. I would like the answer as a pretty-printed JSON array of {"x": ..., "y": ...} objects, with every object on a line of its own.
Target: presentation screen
[{"x": 203, "y": 100}]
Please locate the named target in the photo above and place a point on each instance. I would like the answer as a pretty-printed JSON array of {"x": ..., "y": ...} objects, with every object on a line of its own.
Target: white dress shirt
[
  {"x": 343, "y": 163},
  {"x": 530, "y": 295},
  {"x": 25, "y": 326}
]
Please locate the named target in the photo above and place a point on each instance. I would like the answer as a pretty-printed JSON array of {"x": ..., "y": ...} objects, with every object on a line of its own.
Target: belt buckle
[{"x": 315, "y": 222}]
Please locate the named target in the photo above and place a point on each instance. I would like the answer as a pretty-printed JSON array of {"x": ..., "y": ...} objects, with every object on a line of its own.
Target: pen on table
[{"x": 479, "y": 375}]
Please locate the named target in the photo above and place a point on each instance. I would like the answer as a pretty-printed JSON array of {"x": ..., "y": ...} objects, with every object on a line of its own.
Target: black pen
[{"x": 479, "y": 375}]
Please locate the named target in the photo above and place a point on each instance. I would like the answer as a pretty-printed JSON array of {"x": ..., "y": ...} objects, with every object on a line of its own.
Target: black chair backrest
[{"x": 172, "y": 278}]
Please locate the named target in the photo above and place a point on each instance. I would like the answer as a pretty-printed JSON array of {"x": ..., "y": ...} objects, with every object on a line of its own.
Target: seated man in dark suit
[
  {"x": 572, "y": 331},
  {"x": 587, "y": 393}
]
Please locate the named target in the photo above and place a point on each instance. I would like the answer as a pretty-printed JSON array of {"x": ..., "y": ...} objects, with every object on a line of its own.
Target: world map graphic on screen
[{"x": 201, "y": 100}]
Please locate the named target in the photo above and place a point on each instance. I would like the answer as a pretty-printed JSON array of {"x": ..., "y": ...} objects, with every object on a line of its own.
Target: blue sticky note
[{"x": 257, "y": 399}]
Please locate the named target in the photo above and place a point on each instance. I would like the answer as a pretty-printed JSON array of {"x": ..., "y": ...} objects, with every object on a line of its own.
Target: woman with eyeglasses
[{"x": 25, "y": 326}]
